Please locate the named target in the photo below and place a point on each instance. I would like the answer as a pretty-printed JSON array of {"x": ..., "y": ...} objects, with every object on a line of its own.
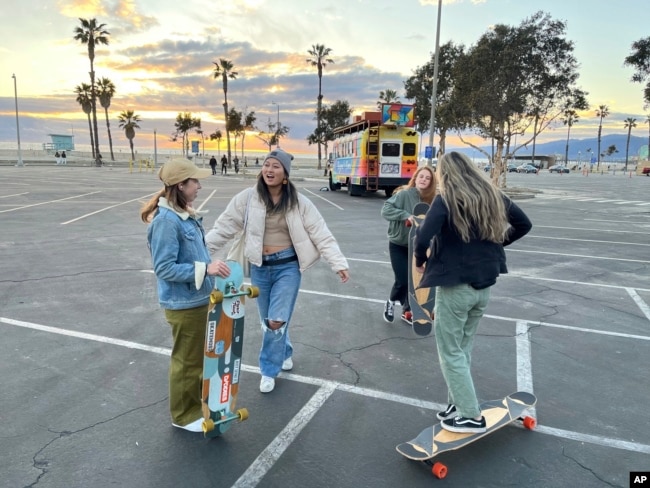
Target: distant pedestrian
[
  {"x": 213, "y": 164},
  {"x": 58, "y": 158},
  {"x": 224, "y": 165},
  {"x": 64, "y": 160},
  {"x": 245, "y": 162},
  {"x": 257, "y": 161},
  {"x": 236, "y": 161}
]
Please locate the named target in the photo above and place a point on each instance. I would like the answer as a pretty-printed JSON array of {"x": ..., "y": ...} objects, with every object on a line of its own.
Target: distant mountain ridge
[{"x": 578, "y": 148}]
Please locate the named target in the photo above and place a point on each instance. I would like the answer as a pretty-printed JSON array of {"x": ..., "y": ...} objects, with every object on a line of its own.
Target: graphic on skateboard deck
[
  {"x": 498, "y": 413},
  {"x": 421, "y": 300},
  {"x": 224, "y": 341}
]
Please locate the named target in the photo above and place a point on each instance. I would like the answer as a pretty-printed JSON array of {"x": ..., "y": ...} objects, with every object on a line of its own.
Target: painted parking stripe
[{"x": 326, "y": 386}]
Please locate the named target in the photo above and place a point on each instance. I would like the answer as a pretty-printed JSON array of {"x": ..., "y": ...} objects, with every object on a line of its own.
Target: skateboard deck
[
  {"x": 421, "y": 300},
  {"x": 435, "y": 440},
  {"x": 224, "y": 340}
]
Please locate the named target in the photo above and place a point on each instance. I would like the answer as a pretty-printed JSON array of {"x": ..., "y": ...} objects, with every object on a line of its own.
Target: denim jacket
[{"x": 180, "y": 257}]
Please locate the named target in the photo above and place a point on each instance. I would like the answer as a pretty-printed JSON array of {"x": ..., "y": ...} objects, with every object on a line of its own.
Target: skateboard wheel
[
  {"x": 207, "y": 426},
  {"x": 216, "y": 297},
  {"x": 242, "y": 413},
  {"x": 253, "y": 292},
  {"x": 439, "y": 470},
  {"x": 530, "y": 423}
]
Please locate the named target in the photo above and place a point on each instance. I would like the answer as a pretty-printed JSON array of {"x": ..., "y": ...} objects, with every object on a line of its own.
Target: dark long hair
[{"x": 288, "y": 199}]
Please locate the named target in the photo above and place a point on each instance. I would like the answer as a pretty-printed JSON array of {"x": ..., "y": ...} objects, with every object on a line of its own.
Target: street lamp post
[
  {"x": 277, "y": 127},
  {"x": 434, "y": 89},
  {"x": 20, "y": 152}
]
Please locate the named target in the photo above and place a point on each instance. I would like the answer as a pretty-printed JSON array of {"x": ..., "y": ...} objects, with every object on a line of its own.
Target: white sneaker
[
  {"x": 287, "y": 364},
  {"x": 267, "y": 384},
  {"x": 196, "y": 426}
]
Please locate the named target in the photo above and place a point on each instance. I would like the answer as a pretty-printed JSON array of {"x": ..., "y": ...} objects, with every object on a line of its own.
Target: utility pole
[
  {"x": 434, "y": 89},
  {"x": 20, "y": 152}
]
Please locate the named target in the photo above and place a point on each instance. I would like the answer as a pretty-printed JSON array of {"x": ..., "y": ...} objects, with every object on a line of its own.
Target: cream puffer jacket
[{"x": 310, "y": 235}]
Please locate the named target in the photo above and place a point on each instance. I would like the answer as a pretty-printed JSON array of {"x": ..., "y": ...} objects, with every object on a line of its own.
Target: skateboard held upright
[
  {"x": 435, "y": 440},
  {"x": 421, "y": 300},
  {"x": 224, "y": 341}
]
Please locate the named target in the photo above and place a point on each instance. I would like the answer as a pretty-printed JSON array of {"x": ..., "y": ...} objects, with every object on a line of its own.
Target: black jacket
[{"x": 452, "y": 261}]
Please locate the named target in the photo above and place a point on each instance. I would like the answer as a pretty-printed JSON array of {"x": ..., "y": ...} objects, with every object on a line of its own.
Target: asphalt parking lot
[{"x": 84, "y": 349}]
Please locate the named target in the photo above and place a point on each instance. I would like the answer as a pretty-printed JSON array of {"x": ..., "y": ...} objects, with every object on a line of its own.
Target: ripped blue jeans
[{"x": 279, "y": 285}]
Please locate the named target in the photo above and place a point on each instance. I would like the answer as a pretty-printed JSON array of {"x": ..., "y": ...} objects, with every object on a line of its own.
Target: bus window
[
  {"x": 390, "y": 149},
  {"x": 409, "y": 149}
]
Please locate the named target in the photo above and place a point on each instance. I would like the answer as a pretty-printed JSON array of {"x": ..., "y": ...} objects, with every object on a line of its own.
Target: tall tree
[
  {"x": 647, "y": 120},
  {"x": 319, "y": 58},
  {"x": 629, "y": 124},
  {"x": 419, "y": 86},
  {"x": 225, "y": 69},
  {"x": 84, "y": 93},
  {"x": 184, "y": 124},
  {"x": 129, "y": 122},
  {"x": 106, "y": 91},
  {"x": 570, "y": 117},
  {"x": 91, "y": 34},
  {"x": 509, "y": 74},
  {"x": 217, "y": 136},
  {"x": 248, "y": 124},
  {"x": 270, "y": 134},
  {"x": 640, "y": 60},
  {"x": 335, "y": 116},
  {"x": 388, "y": 96},
  {"x": 601, "y": 113}
]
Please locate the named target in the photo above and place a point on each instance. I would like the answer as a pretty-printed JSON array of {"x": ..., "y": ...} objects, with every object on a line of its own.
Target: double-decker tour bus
[{"x": 376, "y": 151}]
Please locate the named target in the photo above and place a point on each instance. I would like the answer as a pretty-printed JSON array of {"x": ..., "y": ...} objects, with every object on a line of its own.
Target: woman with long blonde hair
[
  {"x": 469, "y": 223},
  {"x": 398, "y": 209}
]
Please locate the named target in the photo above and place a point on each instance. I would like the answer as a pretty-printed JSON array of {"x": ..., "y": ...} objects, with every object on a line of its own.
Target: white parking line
[
  {"x": 328, "y": 387},
  {"x": 49, "y": 201},
  {"x": 106, "y": 208}
]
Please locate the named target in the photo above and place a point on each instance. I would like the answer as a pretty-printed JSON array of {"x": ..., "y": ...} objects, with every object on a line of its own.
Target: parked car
[
  {"x": 558, "y": 168},
  {"x": 487, "y": 168},
  {"x": 646, "y": 171},
  {"x": 512, "y": 168},
  {"x": 526, "y": 168}
]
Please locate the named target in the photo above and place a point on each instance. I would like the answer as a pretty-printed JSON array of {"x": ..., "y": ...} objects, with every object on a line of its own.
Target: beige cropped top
[{"x": 276, "y": 231}]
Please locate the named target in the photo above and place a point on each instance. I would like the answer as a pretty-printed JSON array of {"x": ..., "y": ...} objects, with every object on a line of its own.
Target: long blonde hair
[
  {"x": 425, "y": 195},
  {"x": 476, "y": 207}
]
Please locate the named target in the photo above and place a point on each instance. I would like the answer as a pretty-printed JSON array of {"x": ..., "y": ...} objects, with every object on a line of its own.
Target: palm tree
[
  {"x": 225, "y": 69},
  {"x": 185, "y": 123},
  {"x": 92, "y": 34},
  {"x": 217, "y": 135},
  {"x": 319, "y": 53},
  {"x": 602, "y": 112},
  {"x": 388, "y": 96},
  {"x": 629, "y": 124},
  {"x": 106, "y": 91},
  {"x": 570, "y": 118},
  {"x": 129, "y": 122},
  {"x": 83, "y": 92}
]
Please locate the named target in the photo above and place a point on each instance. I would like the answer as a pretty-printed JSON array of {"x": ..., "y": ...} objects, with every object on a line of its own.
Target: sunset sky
[{"x": 161, "y": 52}]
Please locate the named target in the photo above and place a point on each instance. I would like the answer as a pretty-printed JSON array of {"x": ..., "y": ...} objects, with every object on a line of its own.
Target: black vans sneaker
[
  {"x": 389, "y": 311},
  {"x": 449, "y": 413},
  {"x": 462, "y": 424}
]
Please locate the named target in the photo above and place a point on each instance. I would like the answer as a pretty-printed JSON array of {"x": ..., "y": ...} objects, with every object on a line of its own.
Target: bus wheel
[
  {"x": 334, "y": 186},
  {"x": 355, "y": 190}
]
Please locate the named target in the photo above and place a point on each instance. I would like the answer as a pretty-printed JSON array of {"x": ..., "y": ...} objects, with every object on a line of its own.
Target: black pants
[{"x": 399, "y": 260}]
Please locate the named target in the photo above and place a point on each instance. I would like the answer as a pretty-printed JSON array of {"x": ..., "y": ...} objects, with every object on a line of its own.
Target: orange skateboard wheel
[
  {"x": 530, "y": 423},
  {"x": 439, "y": 470}
]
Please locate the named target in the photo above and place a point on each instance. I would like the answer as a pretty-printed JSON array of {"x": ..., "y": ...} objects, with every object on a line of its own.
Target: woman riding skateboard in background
[
  {"x": 182, "y": 265},
  {"x": 470, "y": 221},
  {"x": 284, "y": 234},
  {"x": 397, "y": 210}
]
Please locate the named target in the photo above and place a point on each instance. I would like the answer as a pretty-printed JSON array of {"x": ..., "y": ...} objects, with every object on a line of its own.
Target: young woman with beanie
[{"x": 284, "y": 235}]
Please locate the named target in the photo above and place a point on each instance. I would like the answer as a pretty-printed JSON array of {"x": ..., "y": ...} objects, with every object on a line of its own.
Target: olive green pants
[
  {"x": 186, "y": 366},
  {"x": 458, "y": 311}
]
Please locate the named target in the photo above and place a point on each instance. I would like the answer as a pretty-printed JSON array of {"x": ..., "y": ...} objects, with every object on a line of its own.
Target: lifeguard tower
[{"x": 60, "y": 142}]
